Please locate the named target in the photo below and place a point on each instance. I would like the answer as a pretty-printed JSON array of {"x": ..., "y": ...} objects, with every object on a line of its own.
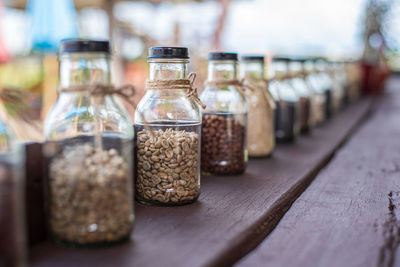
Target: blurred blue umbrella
[{"x": 52, "y": 21}]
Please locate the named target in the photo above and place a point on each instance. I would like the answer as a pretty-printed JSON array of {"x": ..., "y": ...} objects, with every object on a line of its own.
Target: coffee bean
[
  {"x": 167, "y": 165},
  {"x": 223, "y": 144},
  {"x": 91, "y": 200}
]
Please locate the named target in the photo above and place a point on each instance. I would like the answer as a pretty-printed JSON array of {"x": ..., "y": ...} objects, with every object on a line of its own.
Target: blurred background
[{"x": 362, "y": 31}]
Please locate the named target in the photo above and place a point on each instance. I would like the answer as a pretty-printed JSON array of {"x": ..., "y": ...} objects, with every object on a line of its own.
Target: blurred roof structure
[{"x": 79, "y": 4}]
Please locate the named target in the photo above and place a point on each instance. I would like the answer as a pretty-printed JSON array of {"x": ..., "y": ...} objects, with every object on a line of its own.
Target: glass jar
[
  {"x": 88, "y": 152},
  {"x": 13, "y": 243},
  {"x": 343, "y": 77},
  {"x": 260, "y": 134},
  {"x": 224, "y": 128},
  {"x": 338, "y": 85},
  {"x": 354, "y": 75},
  {"x": 326, "y": 83},
  {"x": 319, "y": 98},
  {"x": 168, "y": 125},
  {"x": 304, "y": 93},
  {"x": 287, "y": 123}
]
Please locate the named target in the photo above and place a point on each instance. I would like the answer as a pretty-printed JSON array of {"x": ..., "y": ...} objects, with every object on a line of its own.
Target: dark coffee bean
[
  {"x": 304, "y": 114},
  {"x": 223, "y": 144},
  {"x": 285, "y": 121}
]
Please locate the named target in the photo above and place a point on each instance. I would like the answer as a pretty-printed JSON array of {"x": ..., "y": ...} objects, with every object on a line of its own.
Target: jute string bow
[
  {"x": 184, "y": 84},
  {"x": 271, "y": 99},
  {"x": 240, "y": 85},
  {"x": 101, "y": 90},
  {"x": 125, "y": 91}
]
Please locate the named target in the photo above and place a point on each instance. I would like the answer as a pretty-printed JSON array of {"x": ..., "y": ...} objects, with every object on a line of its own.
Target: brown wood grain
[
  {"x": 349, "y": 215},
  {"x": 233, "y": 214}
]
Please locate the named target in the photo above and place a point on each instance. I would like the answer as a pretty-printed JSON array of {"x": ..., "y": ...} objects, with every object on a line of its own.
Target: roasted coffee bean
[
  {"x": 285, "y": 121},
  {"x": 223, "y": 148},
  {"x": 90, "y": 195},
  {"x": 169, "y": 174},
  {"x": 304, "y": 114},
  {"x": 328, "y": 103}
]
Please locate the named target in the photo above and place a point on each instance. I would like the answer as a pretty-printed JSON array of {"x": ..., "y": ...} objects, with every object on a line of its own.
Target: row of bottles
[
  {"x": 307, "y": 93},
  {"x": 97, "y": 159}
]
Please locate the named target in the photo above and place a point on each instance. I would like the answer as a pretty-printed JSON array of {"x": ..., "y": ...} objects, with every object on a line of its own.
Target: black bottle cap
[
  {"x": 281, "y": 58},
  {"x": 222, "y": 56},
  {"x": 84, "y": 45},
  {"x": 300, "y": 59},
  {"x": 318, "y": 59},
  {"x": 253, "y": 57},
  {"x": 168, "y": 52}
]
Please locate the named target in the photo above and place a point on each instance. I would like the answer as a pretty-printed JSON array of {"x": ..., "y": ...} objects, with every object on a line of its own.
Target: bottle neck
[
  {"x": 279, "y": 69},
  {"x": 84, "y": 69},
  {"x": 295, "y": 68},
  {"x": 320, "y": 65},
  {"x": 222, "y": 70},
  {"x": 308, "y": 67},
  {"x": 168, "y": 69},
  {"x": 252, "y": 70}
]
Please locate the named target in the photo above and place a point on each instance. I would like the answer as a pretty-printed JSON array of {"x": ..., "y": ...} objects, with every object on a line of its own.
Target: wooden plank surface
[
  {"x": 349, "y": 215},
  {"x": 233, "y": 214}
]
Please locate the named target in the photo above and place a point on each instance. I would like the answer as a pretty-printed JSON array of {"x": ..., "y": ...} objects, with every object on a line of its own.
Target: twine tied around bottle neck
[
  {"x": 178, "y": 84},
  {"x": 125, "y": 91},
  {"x": 271, "y": 99},
  {"x": 239, "y": 84},
  {"x": 100, "y": 90}
]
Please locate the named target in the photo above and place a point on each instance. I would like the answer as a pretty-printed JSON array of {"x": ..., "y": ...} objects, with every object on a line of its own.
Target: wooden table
[{"x": 271, "y": 215}]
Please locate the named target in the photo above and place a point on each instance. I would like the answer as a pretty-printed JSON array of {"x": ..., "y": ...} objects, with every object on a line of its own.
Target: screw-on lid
[
  {"x": 300, "y": 59},
  {"x": 84, "y": 45},
  {"x": 253, "y": 57},
  {"x": 281, "y": 58},
  {"x": 317, "y": 59},
  {"x": 168, "y": 52},
  {"x": 222, "y": 56}
]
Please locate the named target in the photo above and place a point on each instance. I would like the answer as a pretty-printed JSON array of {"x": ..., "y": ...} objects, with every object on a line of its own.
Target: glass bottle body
[
  {"x": 224, "y": 127},
  {"x": 326, "y": 83},
  {"x": 354, "y": 74},
  {"x": 13, "y": 243},
  {"x": 338, "y": 86},
  {"x": 88, "y": 155},
  {"x": 261, "y": 110},
  {"x": 304, "y": 93},
  {"x": 168, "y": 127},
  {"x": 319, "y": 99},
  {"x": 287, "y": 119},
  {"x": 344, "y": 79}
]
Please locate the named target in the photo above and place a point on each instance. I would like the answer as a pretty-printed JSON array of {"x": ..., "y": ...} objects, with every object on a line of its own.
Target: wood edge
[{"x": 254, "y": 235}]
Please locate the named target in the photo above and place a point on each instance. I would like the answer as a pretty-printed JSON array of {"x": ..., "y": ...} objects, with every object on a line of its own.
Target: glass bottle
[
  {"x": 88, "y": 152},
  {"x": 343, "y": 77},
  {"x": 338, "y": 85},
  {"x": 319, "y": 99},
  {"x": 13, "y": 243},
  {"x": 304, "y": 93},
  {"x": 354, "y": 74},
  {"x": 224, "y": 128},
  {"x": 260, "y": 134},
  {"x": 326, "y": 82},
  {"x": 168, "y": 125},
  {"x": 287, "y": 124}
]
